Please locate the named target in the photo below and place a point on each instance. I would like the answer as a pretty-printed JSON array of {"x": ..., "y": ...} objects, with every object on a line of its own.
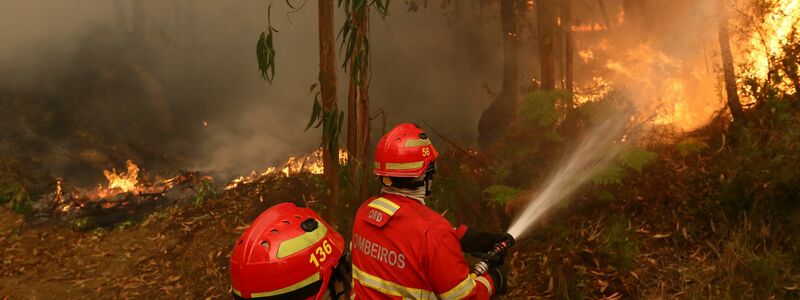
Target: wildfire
[
  {"x": 781, "y": 21},
  {"x": 125, "y": 181},
  {"x": 311, "y": 163},
  {"x": 126, "y": 184},
  {"x": 666, "y": 89}
]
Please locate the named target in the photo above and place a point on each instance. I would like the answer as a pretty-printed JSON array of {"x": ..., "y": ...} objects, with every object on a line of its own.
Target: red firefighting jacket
[{"x": 401, "y": 249}]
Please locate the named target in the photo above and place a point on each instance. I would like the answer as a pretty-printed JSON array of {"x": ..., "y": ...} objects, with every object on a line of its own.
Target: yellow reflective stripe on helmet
[
  {"x": 486, "y": 283},
  {"x": 237, "y": 292},
  {"x": 313, "y": 278},
  {"x": 417, "y": 143},
  {"x": 390, "y": 288},
  {"x": 404, "y": 166},
  {"x": 384, "y": 205},
  {"x": 376, "y": 165},
  {"x": 294, "y": 245},
  {"x": 461, "y": 290}
]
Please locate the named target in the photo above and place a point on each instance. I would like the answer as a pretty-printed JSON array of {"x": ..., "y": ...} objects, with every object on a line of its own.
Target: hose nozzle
[{"x": 494, "y": 257}]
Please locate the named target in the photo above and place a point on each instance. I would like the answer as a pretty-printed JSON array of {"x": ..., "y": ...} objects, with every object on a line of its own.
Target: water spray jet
[{"x": 595, "y": 151}]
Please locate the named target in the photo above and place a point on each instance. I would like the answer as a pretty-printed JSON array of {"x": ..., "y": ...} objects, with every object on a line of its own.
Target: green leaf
[
  {"x": 16, "y": 196},
  {"x": 637, "y": 159},
  {"x": 265, "y": 55},
  {"x": 691, "y": 146},
  {"x": 315, "y": 115},
  {"x": 610, "y": 175},
  {"x": 501, "y": 193},
  {"x": 539, "y": 108},
  {"x": 603, "y": 195}
]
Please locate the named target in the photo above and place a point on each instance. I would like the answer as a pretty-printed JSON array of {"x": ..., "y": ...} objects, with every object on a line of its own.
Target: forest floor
[{"x": 663, "y": 235}]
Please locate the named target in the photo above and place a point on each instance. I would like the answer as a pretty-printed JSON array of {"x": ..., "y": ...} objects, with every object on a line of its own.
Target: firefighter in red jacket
[{"x": 400, "y": 248}]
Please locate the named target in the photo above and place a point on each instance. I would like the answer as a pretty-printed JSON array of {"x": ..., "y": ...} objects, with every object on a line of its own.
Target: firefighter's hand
[
  {"x": 499, "y": 280},
  {"x": 475, "y": 241}
]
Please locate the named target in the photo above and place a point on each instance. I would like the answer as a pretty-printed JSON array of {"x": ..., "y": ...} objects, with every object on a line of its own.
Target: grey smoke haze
[
  {"x": 420, "y": 73},
  {"x": 78, "y": 97}
]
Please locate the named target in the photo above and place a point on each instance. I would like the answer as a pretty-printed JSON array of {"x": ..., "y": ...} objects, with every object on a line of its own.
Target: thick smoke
[
  {"x": 85, "y": 88},
  {"x": 88, "y": 83}
]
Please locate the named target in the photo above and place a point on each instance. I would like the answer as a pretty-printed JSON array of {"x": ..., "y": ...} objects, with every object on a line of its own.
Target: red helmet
[
  {"x": 405, "y": 151},
  {"x": 288, "y": 252}
]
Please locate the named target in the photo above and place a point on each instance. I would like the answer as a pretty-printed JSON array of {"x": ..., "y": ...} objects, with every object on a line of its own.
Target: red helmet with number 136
[{"x": 288, "y": 252}]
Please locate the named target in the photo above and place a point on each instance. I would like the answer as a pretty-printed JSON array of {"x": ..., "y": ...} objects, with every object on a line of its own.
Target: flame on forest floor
[
  {"x": 310, "y": 163},
  {"x": 127, "y": 182}
]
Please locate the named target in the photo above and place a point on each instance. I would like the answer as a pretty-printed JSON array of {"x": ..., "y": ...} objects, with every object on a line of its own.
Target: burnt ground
[
  {"x": 656, "y": 239},
  {"x": 178, "y": 252}
]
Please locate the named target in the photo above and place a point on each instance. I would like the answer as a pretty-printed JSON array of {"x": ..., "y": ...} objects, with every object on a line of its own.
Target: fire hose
[{"x": 494, "y": 257}]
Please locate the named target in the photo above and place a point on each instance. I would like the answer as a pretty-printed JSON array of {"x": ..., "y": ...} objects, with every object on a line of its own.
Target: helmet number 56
[
  {"x": 321, "y": 252},
  {"x": 426, "y": 151}
]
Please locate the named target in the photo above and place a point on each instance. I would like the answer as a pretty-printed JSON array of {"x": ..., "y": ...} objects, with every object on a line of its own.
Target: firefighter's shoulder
[{"x": 379, "y": 210}]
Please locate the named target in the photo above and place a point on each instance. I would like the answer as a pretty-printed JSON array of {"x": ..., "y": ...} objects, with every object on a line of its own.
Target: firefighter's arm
[{"x": 447, "y": 270}]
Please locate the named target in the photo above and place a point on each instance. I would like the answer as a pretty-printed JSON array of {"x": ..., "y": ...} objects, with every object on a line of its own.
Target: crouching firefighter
[
  {"x": 289, "y": 253},
  {"x": 400, "y": 248}
]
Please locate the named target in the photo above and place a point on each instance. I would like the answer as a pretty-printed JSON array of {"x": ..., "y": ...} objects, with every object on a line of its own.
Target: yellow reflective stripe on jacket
[
  {"x": 313, "y": 278},
  {"x": 305, "y": 240},
  {"x": 461, "y": 290},
  {"x": 390, "y": 288},
  {"x": 485, "y": 282},
  {"x": 384, "y": 205}
]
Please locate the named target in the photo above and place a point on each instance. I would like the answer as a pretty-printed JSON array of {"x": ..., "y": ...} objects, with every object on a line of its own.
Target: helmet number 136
[{"x": 321, "y": 252}]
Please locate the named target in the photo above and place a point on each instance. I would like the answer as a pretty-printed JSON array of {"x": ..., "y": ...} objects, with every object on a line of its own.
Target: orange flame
[
  {"x": 780, "y": 22},
  {"x": 311, "y": 163},
  {"x": 125, "y": 181}
]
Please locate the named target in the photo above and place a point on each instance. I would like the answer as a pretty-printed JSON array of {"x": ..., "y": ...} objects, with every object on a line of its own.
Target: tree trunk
[
  {"x": 496, "y": 118},
  {"x": 358, "y": 102},
  {"x": 510, "y": 49},
  {"x": 191, "y": 23},
  {"x": 730, "y": 76},
  {"x": 178, "y": 22},
  {"x": 546, "y": 24},
  {"x": 568, "y": 54},
  {"x": 119, "y": 16},
  {"x": 327, "y": 81},
  {"x": 138, "y": 20}
]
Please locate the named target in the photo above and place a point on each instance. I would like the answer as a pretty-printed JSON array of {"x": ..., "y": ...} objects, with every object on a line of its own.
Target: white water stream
[{"x": 593, "y": 154}]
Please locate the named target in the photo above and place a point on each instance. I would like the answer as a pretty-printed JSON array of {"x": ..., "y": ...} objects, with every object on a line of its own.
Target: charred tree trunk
[
  {"x": 730, "y": 76},
  {"x": 358, "y": 101},
  {"x": 546, "y": 23},
  {"x": 138, "y": 20},
  {"x": 495, "y": 119},
  {"x": 327, "y": 81},
  {"x": 568, "y": 54}
]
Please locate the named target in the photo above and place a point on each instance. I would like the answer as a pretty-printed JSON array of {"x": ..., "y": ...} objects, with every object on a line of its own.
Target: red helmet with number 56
[
  {"x": 405, "y": 151},
  {"x": 288, "y": 252}
]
